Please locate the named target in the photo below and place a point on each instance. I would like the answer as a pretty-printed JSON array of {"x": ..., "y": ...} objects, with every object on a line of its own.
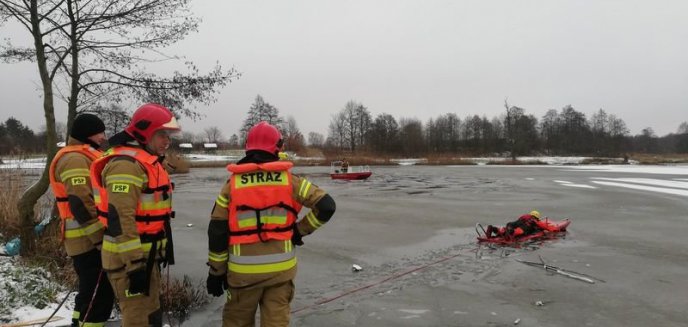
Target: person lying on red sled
[{"x": 527, "y": 224}]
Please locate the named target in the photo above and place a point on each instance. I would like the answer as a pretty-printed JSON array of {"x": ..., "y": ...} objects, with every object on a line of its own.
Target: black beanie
[{"x": 86, "y": 125}]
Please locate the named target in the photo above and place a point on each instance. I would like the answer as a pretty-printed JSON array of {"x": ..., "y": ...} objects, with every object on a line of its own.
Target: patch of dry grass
[
  {"x": 516, "y": 162},
  {"x": 179, "y": 297},
  {"x": 11, "y": 184},
  {"x": 659, "y": 159},
  {"x": 441, "y": 160},
  {"x": 49, "y": 251},
  {"x": 602, "y": 161}
]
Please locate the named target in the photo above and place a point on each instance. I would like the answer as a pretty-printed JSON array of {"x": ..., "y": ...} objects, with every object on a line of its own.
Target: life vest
[
  {"x": 528, "y": 219},
  {"x": 59, "y": 188},
  {"x": 262, "y": 207},
  {"x": 154, "y": 206}
]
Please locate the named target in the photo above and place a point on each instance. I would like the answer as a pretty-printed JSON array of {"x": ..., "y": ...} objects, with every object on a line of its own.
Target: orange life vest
[
  {"x": 59, "y": 188},
  {"x": 154, "y": 206},
  {"x": 262, "y": 207}
]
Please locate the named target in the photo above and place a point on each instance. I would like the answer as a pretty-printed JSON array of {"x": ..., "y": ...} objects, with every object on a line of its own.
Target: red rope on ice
[{"x": 395, "y": 276}]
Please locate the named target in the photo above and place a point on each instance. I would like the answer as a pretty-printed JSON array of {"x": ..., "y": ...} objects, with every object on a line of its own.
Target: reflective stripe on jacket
[
  {"x": 77, "y": 176},
  {"x": 262, "y": 211},
  {"x": 262, "y": 206},
  {"x": 154, "y": 206}
]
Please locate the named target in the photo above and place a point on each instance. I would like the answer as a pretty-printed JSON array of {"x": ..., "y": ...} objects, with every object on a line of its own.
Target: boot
[{"x": 489, "y": 231}]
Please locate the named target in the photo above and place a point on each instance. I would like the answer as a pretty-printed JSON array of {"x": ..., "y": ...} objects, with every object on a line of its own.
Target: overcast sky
[{"x": 426, "y": 58}]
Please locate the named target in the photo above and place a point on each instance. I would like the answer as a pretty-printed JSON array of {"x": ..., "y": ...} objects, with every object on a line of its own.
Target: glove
[
  {"x": 296, "y": 237},
  {"x": 216, "y": 285},
  {"x": 138, "y": 282}
]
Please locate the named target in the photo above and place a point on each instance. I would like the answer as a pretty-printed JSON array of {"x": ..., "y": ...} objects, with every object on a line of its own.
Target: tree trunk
[
  {"x": 34, "y": 192},
  {"x": 74, "y": 88}
]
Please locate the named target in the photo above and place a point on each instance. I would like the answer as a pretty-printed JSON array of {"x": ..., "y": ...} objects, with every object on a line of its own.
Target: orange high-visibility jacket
[
  {"x": 262, "y": 206},
  {"x": 59, "y": 188},
  {"x": 154, "y": 206}
]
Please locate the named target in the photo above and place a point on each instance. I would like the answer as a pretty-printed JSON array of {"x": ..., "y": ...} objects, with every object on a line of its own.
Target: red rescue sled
[{"x": 551, "y": 229}]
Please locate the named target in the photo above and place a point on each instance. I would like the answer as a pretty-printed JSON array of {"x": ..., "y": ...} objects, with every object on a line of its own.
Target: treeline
[
  {"x": 17, "y": 139},
  {"x": 558, "y": 132},
  {"x": 354, "y": 129}
]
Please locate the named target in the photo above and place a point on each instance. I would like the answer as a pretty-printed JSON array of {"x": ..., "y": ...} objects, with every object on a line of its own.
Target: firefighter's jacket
[
  {"x": 133, "y": 196},
  {"x": 252, "y": 220},
  {"x": 71, "y": 185}
]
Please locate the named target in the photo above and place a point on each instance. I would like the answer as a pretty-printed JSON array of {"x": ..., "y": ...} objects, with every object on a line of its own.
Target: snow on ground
[
  {"x": 26, "y": 313},
  {"x": 648, "y": 181},
  {"x": 23, "y": 289},
  {"x": 645, "y": 188},
  {"x": 408, "y": 161},
  {"x": 211, "y": 157},
  {"x": 33, "y": 163},
  {"x": 640, "y": 169},
  {"x": 678, "y": 186},
  {"x": 571, "y": 184},
  {"x": 546, "y": 160}
]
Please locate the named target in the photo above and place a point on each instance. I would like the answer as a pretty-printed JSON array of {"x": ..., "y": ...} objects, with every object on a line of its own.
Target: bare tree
[
  {"x": 34, "y": 16},
  {"x": 683, "y": 128},
  {"x": 91, "y": 52},
  {"x": 384, "y": 134},
  {"x": 234, "y": 142},
  {"x": 61, "y": 133},
  {"x": 316, "y": 140},
  {"x": 261, "y": 111},
  {"x": 411, "y": 137},
  {"x": 549, "y": 130},
  {"x": 213, "y": 134},
  {"x": 187, "y": 137},
  {"x": 98, "y": 47},
  {"x": 293, "y": 139},
  {"x": 357, "y": 120},
  {"x": 114, "y": 116},
  {"x": 337, "y": 131}
]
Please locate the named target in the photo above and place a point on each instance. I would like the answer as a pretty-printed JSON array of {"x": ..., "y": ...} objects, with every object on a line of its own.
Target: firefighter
[
  {"x": 134, "y": 199},
  {"x": 345, "y": 166},
  {"x": 253, "y": 230},
  {"x": 82, "y": 232},
  {"x": 525, "y": 225}
]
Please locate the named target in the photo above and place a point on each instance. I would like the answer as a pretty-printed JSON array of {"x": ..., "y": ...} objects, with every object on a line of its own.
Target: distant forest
[
  {"x": 515, "y": 132},
  {"x": 354, "y": 130}
]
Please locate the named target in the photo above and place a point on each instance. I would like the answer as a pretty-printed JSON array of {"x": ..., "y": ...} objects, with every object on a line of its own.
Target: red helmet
[
  {"x": 265, "y": 137},
  {"x": 148, "y": 119}
]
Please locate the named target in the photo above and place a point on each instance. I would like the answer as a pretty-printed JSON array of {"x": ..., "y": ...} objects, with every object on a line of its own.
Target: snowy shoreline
[{"x": 39, "y": 163}]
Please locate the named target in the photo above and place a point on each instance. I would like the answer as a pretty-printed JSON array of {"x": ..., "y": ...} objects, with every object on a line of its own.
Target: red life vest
[
  {"x": 262, "y": 207},
  {"x": 528, "y": 219},
  {"x": 59, "y": 188},
  {"x": 154, "y": 206}
]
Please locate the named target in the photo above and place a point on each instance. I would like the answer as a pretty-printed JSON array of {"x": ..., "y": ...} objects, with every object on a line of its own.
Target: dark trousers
[
  {"x": 528, "y": 228},
  {"x": 88, "y": 266}
]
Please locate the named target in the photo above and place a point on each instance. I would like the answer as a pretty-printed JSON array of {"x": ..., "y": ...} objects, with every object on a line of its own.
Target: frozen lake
[{"x": 629, "y": 229}]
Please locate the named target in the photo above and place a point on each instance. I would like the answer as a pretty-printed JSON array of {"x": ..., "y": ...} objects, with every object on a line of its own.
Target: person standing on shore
[
  {"x": 82, "y": 232},
  {"x": 253, "y": 230},
  {"x": 134, "y": 198}
]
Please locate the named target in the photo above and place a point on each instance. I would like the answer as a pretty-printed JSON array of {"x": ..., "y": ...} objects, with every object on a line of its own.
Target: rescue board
[{"x": 553, "y": 229}]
